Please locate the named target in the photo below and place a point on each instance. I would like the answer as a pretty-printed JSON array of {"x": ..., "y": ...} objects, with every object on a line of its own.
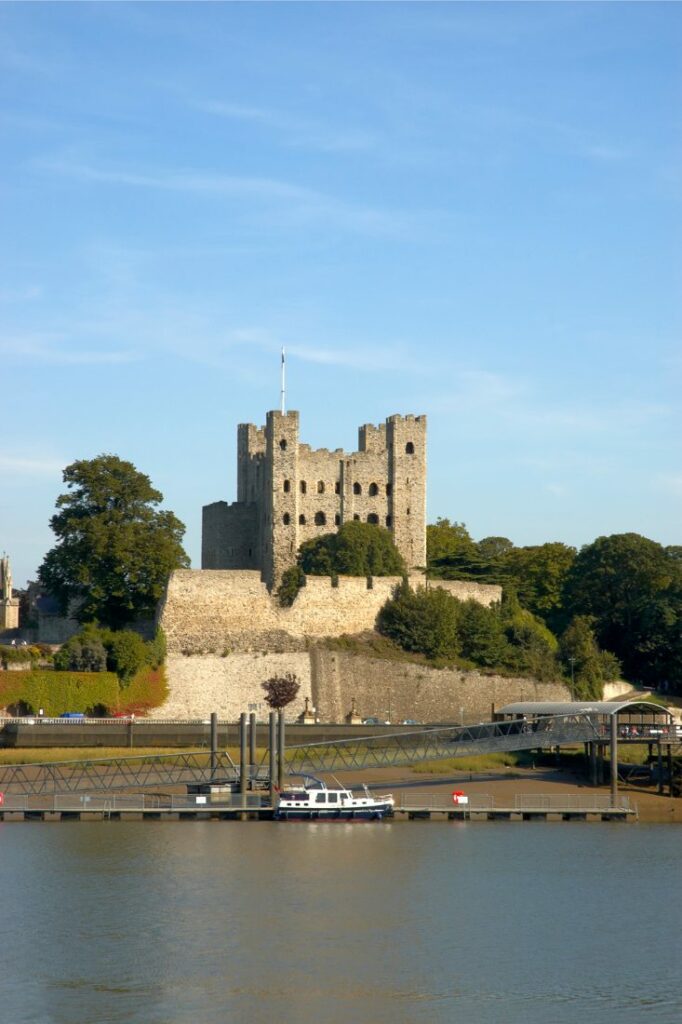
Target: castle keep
[{"x": 288, "y": 493}]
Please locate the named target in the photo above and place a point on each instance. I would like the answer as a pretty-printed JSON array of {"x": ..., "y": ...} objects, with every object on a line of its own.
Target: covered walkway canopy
[{"x": 635, "y": 718}]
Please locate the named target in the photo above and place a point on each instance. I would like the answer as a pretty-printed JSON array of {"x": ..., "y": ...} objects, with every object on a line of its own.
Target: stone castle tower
[{"x": 288, "y": 493}]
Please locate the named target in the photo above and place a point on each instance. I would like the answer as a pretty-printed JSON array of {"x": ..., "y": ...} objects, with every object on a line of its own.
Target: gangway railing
[
  {"x": 119, "y": 773},
  {"x": 387, "y": 750}
]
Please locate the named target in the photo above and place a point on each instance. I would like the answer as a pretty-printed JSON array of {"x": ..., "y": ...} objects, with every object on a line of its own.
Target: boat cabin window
[
  {"x": 333, "y": 797},
  {"x": 320, "y": 798}
]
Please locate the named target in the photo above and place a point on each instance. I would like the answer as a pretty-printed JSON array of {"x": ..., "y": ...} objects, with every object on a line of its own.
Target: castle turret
[
  {"x": 406, "y": 443},
  {"x": 280, "y": 525}
]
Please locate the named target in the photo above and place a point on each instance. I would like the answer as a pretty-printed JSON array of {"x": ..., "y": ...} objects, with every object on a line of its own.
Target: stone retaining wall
[{"x": 332, "y": 679}]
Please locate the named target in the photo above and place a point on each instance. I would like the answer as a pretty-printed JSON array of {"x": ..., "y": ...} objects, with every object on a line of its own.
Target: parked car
[
  {"x": 410, "y": 721},
  {"x": 72, "y": 714},
  {"x": 372, "y": 720}
]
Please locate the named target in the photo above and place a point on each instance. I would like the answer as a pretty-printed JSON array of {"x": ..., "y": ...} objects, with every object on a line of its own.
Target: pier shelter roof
[{"x": 605, "y": 708}]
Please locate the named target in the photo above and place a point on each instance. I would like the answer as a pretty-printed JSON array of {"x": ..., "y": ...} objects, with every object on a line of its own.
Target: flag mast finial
[{"x": 282, "y": 393}]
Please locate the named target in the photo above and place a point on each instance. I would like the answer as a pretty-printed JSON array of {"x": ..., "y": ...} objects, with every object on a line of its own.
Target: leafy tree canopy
[
  {"x": 632, "y": 589},
  {"x": 357, "y": 549},
  {"x": 115, "y": 549},
  {"x": 587, "y": 666},
  {"x": 538, "y": 574},
  {"x": 423, "y": 620}
]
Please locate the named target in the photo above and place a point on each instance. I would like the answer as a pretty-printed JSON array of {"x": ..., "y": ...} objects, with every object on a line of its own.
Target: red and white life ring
[{"x": 457, "y": 795}]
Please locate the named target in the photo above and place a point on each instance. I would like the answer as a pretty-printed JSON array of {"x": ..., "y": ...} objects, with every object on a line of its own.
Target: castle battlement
[{"x": 288, "y": 492}]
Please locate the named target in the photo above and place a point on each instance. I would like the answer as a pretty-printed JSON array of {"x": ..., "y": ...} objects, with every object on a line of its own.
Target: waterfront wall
[{"x": 333, "y": 679}]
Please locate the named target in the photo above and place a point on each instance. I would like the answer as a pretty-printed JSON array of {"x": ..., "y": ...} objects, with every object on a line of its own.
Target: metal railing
[
  {"x": 385, "y": 750},
  {"x": 519, "y": 802},
  {"x": 110, "y": 773}
]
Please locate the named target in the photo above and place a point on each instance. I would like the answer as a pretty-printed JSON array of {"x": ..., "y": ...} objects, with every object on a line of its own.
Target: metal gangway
[
  {"x": 216, "y": 767},
  {"x": 144, "y": 771},
  {"x": 389, "y": 750}
]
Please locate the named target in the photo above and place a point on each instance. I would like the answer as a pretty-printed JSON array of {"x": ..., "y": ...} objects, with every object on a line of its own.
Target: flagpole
[{"x": 283, "y": 385}]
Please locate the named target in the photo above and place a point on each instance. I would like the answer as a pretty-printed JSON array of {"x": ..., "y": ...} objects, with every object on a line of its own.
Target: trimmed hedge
[
  {"x": 57, "y": 692},
  {"x": 89, "y": 692}
]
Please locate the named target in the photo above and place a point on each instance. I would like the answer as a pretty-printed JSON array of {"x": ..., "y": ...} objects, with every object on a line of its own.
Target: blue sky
[{"x": 469, "y": 211}]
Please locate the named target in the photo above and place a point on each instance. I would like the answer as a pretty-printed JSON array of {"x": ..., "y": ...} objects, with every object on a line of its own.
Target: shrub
[
  {"x": 57, "y": 692},
  {"x": 292, "y": 581},
  {"x": 128, "y": 653},
  {"x": 422, "y": 620},
  {"x": 357, "y": 549},
  {"x": 281, "y": 690}
]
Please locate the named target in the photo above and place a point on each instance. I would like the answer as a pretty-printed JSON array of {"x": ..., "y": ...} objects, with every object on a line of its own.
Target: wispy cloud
[
  {"x": 51, "y": 349},
  {"x": 294, "y": 202},
  {"x": 296, "y": 131},
  {"x": 17, "y": 465}
]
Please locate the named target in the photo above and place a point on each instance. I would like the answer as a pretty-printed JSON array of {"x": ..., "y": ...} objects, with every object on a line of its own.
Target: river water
[{"x": 207, "y": 922}]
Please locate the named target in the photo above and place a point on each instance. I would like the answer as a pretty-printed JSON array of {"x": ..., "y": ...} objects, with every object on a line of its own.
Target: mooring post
[
  {"x": 593, "y": 762},
  {"x": 670, "y": 768},
  {"x": 214, "y": 743},
  {"x": 272, "y": 749},
  {"x": 281, "y": 739},
  {"x": 614, "y": 760},
  {"x": 252, "y": 750},
  {"x": 243, "y": 767},
  {"x": 131, "y": 723},
  {"x": 660, "y": 767}
]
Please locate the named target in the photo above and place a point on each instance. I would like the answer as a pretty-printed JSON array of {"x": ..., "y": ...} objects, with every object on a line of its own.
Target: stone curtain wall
[
  {"x": 332, "y": 679},
  {"x": 211, "y": 611}
]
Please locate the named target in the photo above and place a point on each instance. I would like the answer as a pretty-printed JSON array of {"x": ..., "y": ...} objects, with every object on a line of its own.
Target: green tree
[
  {"x": 632, "y": 588},
  {"x": 481, "y": 634},
  {"x": 128, "y": 653},
  {"x": 532, "y": 647},
  {"x": 357, "y": 549},
  {"x": 422, "y": 620},
  {"x": 84, "y": 652},
  {"x": 538, "y": 575},
  {"x": 115, "y": 549},
  {"x": 587, "y": 666}
]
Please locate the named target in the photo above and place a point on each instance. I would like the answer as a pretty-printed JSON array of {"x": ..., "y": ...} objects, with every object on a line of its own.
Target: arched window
[
  {"x": 303, "y": 487},
  {"x": 287, "y": 486},
  {"x": 356, "y": 517},
  {"x": 388, "y": 520},
  {"x": 373, "y": 490},
  {"x": 337, "y": 519},
  {"x": 320, "y": 486},
  {"x": 337, "y": 487},
  {"x": 357, "y": 489},
  {"x": 301, "y": 520},
  {"x": 286, "y": 518},
  {"x": 320, "y": 519},
  {"x": 388, "y": 490},
  {"x": 283, "y": 445},
  {"x": 373, "y": 518},
  {"x": 408, "y": 511},
  {"x": 409, "y": 448}
]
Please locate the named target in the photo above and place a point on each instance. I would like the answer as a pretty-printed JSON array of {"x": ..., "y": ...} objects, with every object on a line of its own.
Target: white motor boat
[{"x": 314, "y": 800}]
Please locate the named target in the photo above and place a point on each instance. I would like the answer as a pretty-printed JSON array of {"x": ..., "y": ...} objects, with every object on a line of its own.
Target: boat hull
[{"x": 375, "y": 813}]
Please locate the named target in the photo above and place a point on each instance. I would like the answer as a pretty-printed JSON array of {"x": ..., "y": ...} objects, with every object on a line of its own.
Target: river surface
[{"x": 207, "y": 922}]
